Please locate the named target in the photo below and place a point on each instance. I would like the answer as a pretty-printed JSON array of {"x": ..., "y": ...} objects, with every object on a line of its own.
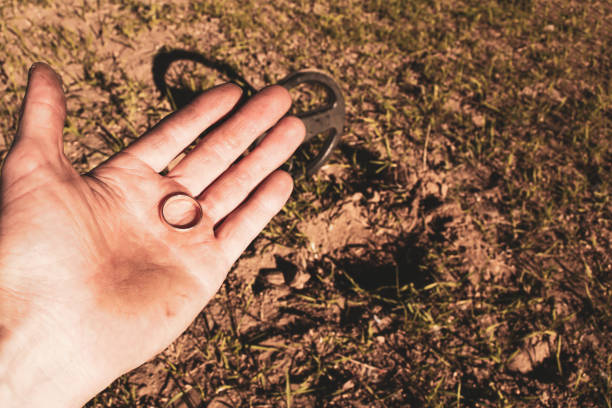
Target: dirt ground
[{"x": 456, "y": 249}]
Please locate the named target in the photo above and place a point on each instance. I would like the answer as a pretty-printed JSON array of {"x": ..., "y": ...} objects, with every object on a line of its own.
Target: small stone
[
  {"x": 478, "y": 120},
  {"x": 375, "y": 198},
  {"x": 443, "y": 190},
  {"x": 275, "y": 278},
  {"x": 220, "y": 403},
  {"x": 357, "y": 197},
  {"x": 300, "y": 280},
  {"x": 348, "y": 385},
  {"x": 534, "y": 353}
]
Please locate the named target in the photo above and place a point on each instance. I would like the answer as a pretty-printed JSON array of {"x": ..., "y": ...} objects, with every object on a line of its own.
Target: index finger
[{"x": 175, "y": 132}]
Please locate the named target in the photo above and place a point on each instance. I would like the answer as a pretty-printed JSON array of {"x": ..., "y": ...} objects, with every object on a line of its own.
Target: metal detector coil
[{"x": 319, "y": 120}]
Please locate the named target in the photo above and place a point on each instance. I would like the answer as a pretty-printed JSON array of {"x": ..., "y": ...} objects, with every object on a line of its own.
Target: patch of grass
[{"x": 477, "y": 149}]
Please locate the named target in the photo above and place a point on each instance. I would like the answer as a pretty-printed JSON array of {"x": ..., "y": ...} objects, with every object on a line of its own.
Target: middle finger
[
  {"x": 219, "y": 149},
  {"x": 233, "y": 187}
]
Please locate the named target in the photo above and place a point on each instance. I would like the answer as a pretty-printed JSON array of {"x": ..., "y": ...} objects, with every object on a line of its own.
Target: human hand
[{"x": 92, "y": 282}]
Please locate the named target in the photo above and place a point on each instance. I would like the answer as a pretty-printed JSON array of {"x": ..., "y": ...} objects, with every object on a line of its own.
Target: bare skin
[{"x": 92, "y": 282}]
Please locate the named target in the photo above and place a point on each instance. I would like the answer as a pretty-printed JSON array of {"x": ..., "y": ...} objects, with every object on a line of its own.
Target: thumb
[{"x": 42, "y": 114}]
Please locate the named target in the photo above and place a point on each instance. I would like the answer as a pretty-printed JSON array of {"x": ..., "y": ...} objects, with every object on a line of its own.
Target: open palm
[{"x": 92, "y": 281}]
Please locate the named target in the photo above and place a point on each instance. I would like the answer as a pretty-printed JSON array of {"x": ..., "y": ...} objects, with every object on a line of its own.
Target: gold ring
[{"x": 180, "y": 211}]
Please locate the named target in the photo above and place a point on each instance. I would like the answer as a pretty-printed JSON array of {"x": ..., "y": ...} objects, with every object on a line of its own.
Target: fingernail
[
  {"x": 34, "y": 65},
  {"x": 37, "y": 64}
]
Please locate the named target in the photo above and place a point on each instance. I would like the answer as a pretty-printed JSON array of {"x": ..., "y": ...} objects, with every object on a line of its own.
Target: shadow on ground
[{"x": 179, "y": 96}]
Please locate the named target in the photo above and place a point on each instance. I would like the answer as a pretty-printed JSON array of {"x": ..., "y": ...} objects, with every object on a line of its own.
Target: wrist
[
  {"x": 36, "y": 362},
  {"x": 30, "y": 373}
]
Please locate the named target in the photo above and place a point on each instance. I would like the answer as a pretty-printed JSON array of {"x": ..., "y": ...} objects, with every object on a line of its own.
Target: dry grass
[{"x": 469, "y": 260}]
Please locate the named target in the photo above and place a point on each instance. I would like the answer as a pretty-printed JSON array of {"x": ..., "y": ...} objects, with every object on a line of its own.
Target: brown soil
[{"x": 404, "y": 285}]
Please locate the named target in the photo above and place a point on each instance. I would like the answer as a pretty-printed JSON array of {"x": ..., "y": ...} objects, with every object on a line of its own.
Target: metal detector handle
[{"x": 330, "y": 116}]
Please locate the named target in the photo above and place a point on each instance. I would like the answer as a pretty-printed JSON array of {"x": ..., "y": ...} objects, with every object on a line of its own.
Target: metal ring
[{"x": 190, "y": 204}]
